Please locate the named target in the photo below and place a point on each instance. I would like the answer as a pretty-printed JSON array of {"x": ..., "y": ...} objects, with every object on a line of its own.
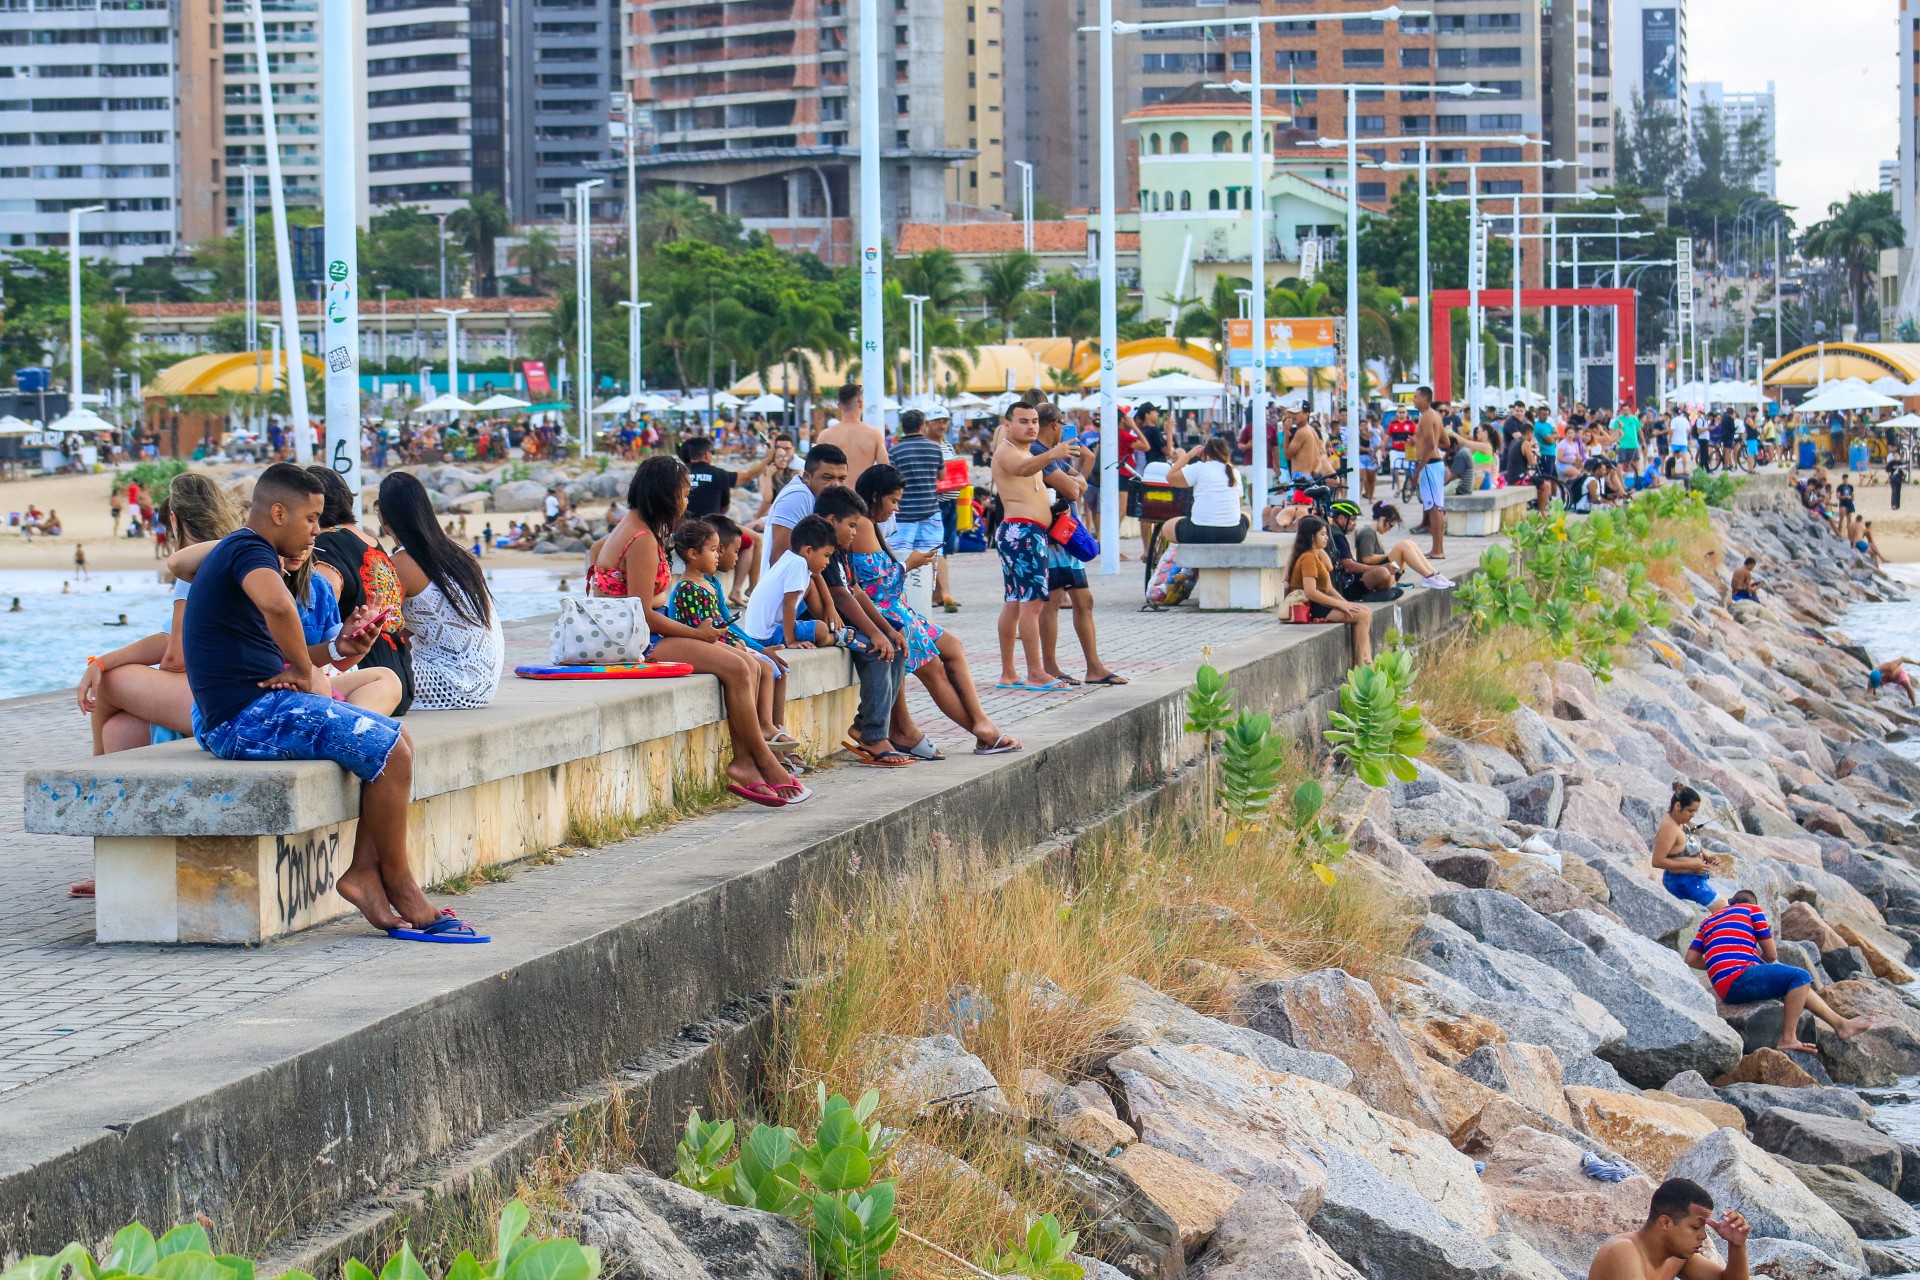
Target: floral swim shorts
[{"x": 1022, "y": 545}]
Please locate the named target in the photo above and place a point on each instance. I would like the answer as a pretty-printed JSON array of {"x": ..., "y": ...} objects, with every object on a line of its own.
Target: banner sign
[
  {"x": 1294, "y": 342},
  {"x": 536, "y": 373}
]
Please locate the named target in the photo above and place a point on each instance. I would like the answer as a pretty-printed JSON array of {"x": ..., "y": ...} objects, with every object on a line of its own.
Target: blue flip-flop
[
  {"x": 448, "y": 928},
  {"x": 1051, "y": 686}
]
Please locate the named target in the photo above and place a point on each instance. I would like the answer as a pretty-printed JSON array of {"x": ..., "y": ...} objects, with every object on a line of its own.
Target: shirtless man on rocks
[{"x": 1667, "y": 1245}]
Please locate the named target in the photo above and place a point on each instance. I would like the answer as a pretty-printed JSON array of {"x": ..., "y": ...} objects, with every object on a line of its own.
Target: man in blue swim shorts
[
  {"x": 1026, "y": 512},
  {"x": 261, "y": 693},
  {"x": 1430, "y": 439},
  {"x": 1735, "y": 946}
]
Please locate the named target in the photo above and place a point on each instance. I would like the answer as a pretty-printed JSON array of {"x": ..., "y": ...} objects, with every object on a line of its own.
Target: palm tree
[
  {"x": 1852, "y": 236},
  {"x": 935, "y": 275},
  {"x": 1077, "y": 303},
  {"x": 477, "y": 224},
  {"x": 675, "y": 213},
  {"x": 538, "y": 256},
  {"x": 1005, "y": 283},
  {"x": 801, "y": 326}
]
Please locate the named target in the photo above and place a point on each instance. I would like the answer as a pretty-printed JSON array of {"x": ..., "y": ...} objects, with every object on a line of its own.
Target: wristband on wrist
[
  {"x": 95, "y": 662},
  {"x": 333, "y": 652}
]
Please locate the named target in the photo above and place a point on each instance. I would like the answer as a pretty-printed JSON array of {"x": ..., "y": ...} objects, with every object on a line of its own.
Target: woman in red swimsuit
[{"x": 632, "y": 553}]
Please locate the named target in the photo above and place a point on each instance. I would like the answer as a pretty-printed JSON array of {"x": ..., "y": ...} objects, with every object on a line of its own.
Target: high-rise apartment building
[
  {"x": 753, "y": 104},
  {"x": 87, "y": 117},
  {"x": 1906, "y": 188},
  {"x": 564, "y": 66},
  {"x": 1576, "y": 85},
  {"x": 1738, "y": 111},
  {"x": 292, "y": 30}
]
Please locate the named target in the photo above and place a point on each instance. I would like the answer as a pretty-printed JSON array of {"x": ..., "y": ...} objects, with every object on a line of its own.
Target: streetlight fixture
[
  {"x": 634, "y": 350},
  {"x": 381, "y": 289},
  {"x": 338, "y": 327},
  {"x": 1425, "y": 307},
  {"x": 77, "y": 400},
  {"x": 296, "y": 372},
  {"x": 583, "y": 307},
  {"x": 916, "y": 321},
  {"x": 453, "y": 346},
  {"x": 1109, "y": 286},
  {"x": 1350, "y": 433},
  {"x": 873, "y": 311},
  {"x": 443, "y": 254},
  {"x": 1026, "y": 205}
]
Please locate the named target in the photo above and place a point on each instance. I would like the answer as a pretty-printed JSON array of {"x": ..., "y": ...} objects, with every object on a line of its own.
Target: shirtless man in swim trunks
[
  {"x": 1667, "y": 1245},
  {"x": 1430, "y": 439},
  {"x": 1022, "y": 542}
]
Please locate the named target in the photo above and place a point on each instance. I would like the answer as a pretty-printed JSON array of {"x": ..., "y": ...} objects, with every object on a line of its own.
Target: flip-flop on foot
[
  {"x": 759, "y": 793},
  {"x": 448, "y": 928},
  {"x": 1001, "y": 745}
]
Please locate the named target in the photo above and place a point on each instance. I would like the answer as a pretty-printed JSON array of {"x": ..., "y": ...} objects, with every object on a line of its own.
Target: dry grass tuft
[
  {"x": 1467, "y": 682},
  {"x": 1697, "y": 546}
]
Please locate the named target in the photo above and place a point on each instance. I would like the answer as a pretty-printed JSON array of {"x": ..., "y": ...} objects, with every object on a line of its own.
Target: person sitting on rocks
[
  {"x": 1735, "y": 946},
  {"x": 1677, "y": 855},
  {"x": 1667, "y": 1246},
  {"x": 1745, "y": 586}
]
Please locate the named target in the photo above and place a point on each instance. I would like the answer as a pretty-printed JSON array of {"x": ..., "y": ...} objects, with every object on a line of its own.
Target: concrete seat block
[{"x": 190, "y": 848}]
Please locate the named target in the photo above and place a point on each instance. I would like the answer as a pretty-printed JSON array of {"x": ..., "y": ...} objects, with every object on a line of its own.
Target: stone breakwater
[{"x": 1434, "y": 1125}]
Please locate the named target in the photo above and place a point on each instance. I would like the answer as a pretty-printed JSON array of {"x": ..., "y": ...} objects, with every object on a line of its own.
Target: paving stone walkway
[{"x": 65, "y": 1000}]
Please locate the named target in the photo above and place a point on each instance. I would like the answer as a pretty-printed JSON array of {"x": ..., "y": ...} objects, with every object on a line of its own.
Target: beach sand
[{"x": 86, "y": 520}]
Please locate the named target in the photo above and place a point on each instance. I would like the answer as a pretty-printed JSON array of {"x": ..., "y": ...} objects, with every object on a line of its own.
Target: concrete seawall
[{"x": 324, "y": 1105}]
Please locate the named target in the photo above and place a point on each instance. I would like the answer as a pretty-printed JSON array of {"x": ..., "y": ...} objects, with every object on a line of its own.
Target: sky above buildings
[{"x": 1836, "y": 77}]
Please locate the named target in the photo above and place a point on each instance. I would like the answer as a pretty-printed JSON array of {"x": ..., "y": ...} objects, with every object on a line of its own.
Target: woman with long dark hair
[
  {"x": 1208, "y": 471},
  {"x": 359, "y": 571},
  {"x": 632, "y": 561},
  {"x": 1310, "y": 572},
  {"x": 452, "y": 626}
]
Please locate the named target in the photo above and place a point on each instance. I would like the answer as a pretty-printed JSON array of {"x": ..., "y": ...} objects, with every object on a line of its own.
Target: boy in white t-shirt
[{"x": 784, "y": 612}]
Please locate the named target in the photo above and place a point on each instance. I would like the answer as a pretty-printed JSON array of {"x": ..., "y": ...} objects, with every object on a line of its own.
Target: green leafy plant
[
  {"x": 1716, "y": 488},
  {"x": 1046, "y": 1254},
  {"x": 1376, "y": 731},
  {"x": 153, "y": 475},
  {"x": 827, "y": 1183},
  {"x": 1249, "y": 772},
  {"x": 1209, "y": 713},
  {"x": 186, "y": 1253}
]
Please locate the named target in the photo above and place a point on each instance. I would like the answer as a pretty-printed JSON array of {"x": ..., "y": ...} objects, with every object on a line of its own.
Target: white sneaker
[{"x": 1439, "y": 582}]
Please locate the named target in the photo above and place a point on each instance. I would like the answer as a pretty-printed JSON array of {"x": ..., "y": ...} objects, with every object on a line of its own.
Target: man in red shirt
[{"x": 1735, "y": 947}]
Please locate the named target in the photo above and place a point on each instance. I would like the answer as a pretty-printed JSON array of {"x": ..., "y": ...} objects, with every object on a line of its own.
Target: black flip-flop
[{"x": 1110, "y": 679}]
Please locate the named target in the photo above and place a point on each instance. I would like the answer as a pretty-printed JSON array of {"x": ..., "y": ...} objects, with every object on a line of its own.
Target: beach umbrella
[
  {"x": 617, "y": 405},
  {"x": 1908, "y": 420},
  {"x": 651, "y": 403},
  {"x": 727, "y": 400},
  {"x": 80, "y": 420},
  {"x": 766, "y": 402},
  {"x": 499, "y": 402},
  {"x": 446, "y": 404},
  {"x": 1728, "y": 392},
  {"x": 1888, "y": 385},
  {"x": 12, "y": 426},
  {"x": 1176, "y": 384},
  {"x": 1841, "y": 398}
]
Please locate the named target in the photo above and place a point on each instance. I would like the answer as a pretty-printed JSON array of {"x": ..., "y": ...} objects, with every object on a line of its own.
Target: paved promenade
[{"x": 65, "y": 1001}]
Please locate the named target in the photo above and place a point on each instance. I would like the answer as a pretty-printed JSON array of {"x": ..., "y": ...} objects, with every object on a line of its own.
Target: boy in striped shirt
[{"x": 1735, "y": 947}]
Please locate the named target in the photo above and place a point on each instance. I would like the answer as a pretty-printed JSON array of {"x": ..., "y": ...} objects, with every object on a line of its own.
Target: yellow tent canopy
[
  {"x": 240, "y": 372},
  {"x": 1868, "y": 361}
]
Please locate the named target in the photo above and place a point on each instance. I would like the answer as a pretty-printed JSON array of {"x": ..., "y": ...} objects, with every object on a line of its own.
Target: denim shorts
[
  {"x": 909, "y": 536},
  {"x": 285, "y": 725},
  {"x": 1688, "y": 886},
  {"x": 1759, "y": 982},
  {"x": 805, "y": 630}
]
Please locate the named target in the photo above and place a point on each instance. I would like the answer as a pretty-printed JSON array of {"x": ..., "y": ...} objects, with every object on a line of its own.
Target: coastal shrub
[
  {"x": 828, "y": 1184},
  {"x": 153, "y": 475},
  {"x": 1716, "y": 488},
  {"x": 186, "y": 1253},
  {"x": 1045, "y": 1254},
  {"x": 1471, "y": 680}
]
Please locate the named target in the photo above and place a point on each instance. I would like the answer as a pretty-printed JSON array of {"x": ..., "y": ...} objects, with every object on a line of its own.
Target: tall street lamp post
[
  {"x": 583, "y": 307},
  {"x": 76, "y": 401}
]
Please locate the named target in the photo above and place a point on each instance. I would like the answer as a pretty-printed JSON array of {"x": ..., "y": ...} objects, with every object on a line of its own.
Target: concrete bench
[
  {"x": 1485, "y": 512},
  {"x": 1239, "y": 575},
  {"x": 190, "y": 848}
]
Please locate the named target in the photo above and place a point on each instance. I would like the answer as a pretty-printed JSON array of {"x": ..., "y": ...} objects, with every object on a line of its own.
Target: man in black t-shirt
[{"x": 710, "y": 488}]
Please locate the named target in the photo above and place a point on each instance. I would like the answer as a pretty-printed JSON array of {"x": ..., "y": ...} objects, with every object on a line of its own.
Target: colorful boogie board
[{"x": 638, "y": 671}]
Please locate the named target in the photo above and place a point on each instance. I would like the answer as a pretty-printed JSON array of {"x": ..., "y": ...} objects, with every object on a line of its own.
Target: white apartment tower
[
  {"x": 1650, "y": 54},
  {"x": 87, "y": 98},
  {"x": 1738, "y": 110}
]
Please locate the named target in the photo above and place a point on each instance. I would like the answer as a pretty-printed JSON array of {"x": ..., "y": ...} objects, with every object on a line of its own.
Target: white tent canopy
[
  {"x": 1729, "y": 392},
  {"x": 446, "y": 404},
  {"x": 727, "y": 400},
  {"x": 500, "y": 401},
  {"x": 766, "y": 402},
  {"x": 1176, "y": 384},
  {"x": 1839, "y": 397},
  {"x": 648, "y": 402},
  {"x": 1888, "y": 385},
  {"x": 12, "y": 426},
  {"x": 80, "y": 420},
  {"x": 1904, "y": 420},
  {"x": 617, "y": 405}
]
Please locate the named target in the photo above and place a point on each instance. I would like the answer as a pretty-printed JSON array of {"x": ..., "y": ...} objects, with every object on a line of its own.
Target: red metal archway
[{"x": 1621, "y": 300}]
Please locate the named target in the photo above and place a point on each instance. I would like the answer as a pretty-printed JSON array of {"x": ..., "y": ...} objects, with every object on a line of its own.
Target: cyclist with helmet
[{"x": 1363, "y": 567}]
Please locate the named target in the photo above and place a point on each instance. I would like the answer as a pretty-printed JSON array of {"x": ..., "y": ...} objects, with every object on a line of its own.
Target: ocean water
[
  {"x": 1890, "y": 630},
  {"x": 45, "y": 644}
]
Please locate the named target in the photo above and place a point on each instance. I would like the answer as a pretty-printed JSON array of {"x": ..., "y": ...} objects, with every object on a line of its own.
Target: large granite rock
[
  {"x": 1546, "y": 1200},
  {"x": 1262, "y": 1237},
  {"x": 1647, "y": 909},
  {"x": 1767, "y": 1065},
  {"x": 1537, "y": 799},
  {"x": 1529, "y": 1073},
  {"x": 1666, "y": 1033},
  {"x": 1656, "y": 969},
  {"x": 1874, "y": 1212},
  {"x": 1397, "y": 1199},
  {"x": 1753, "y": 1099},
  {"x": 1152, "y": 1017},
  {"x": 1195, "y": 1199},
  {"x": 1800, "y": 922},
  {"x": 937, "y": 1072},
  {"x": 1792, "y": 1260},
  {"x": 1894, "y": 1033},
  {"x": 1810, "y": 1138},
  {"x": 647, "y": 1228},
  {"x": 1332, "y": 1012},
  {"x": 1530, "y": 1000},
  {"x": 1648, "y": 1131},
  {"x": 1741, "y": 1176}
]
